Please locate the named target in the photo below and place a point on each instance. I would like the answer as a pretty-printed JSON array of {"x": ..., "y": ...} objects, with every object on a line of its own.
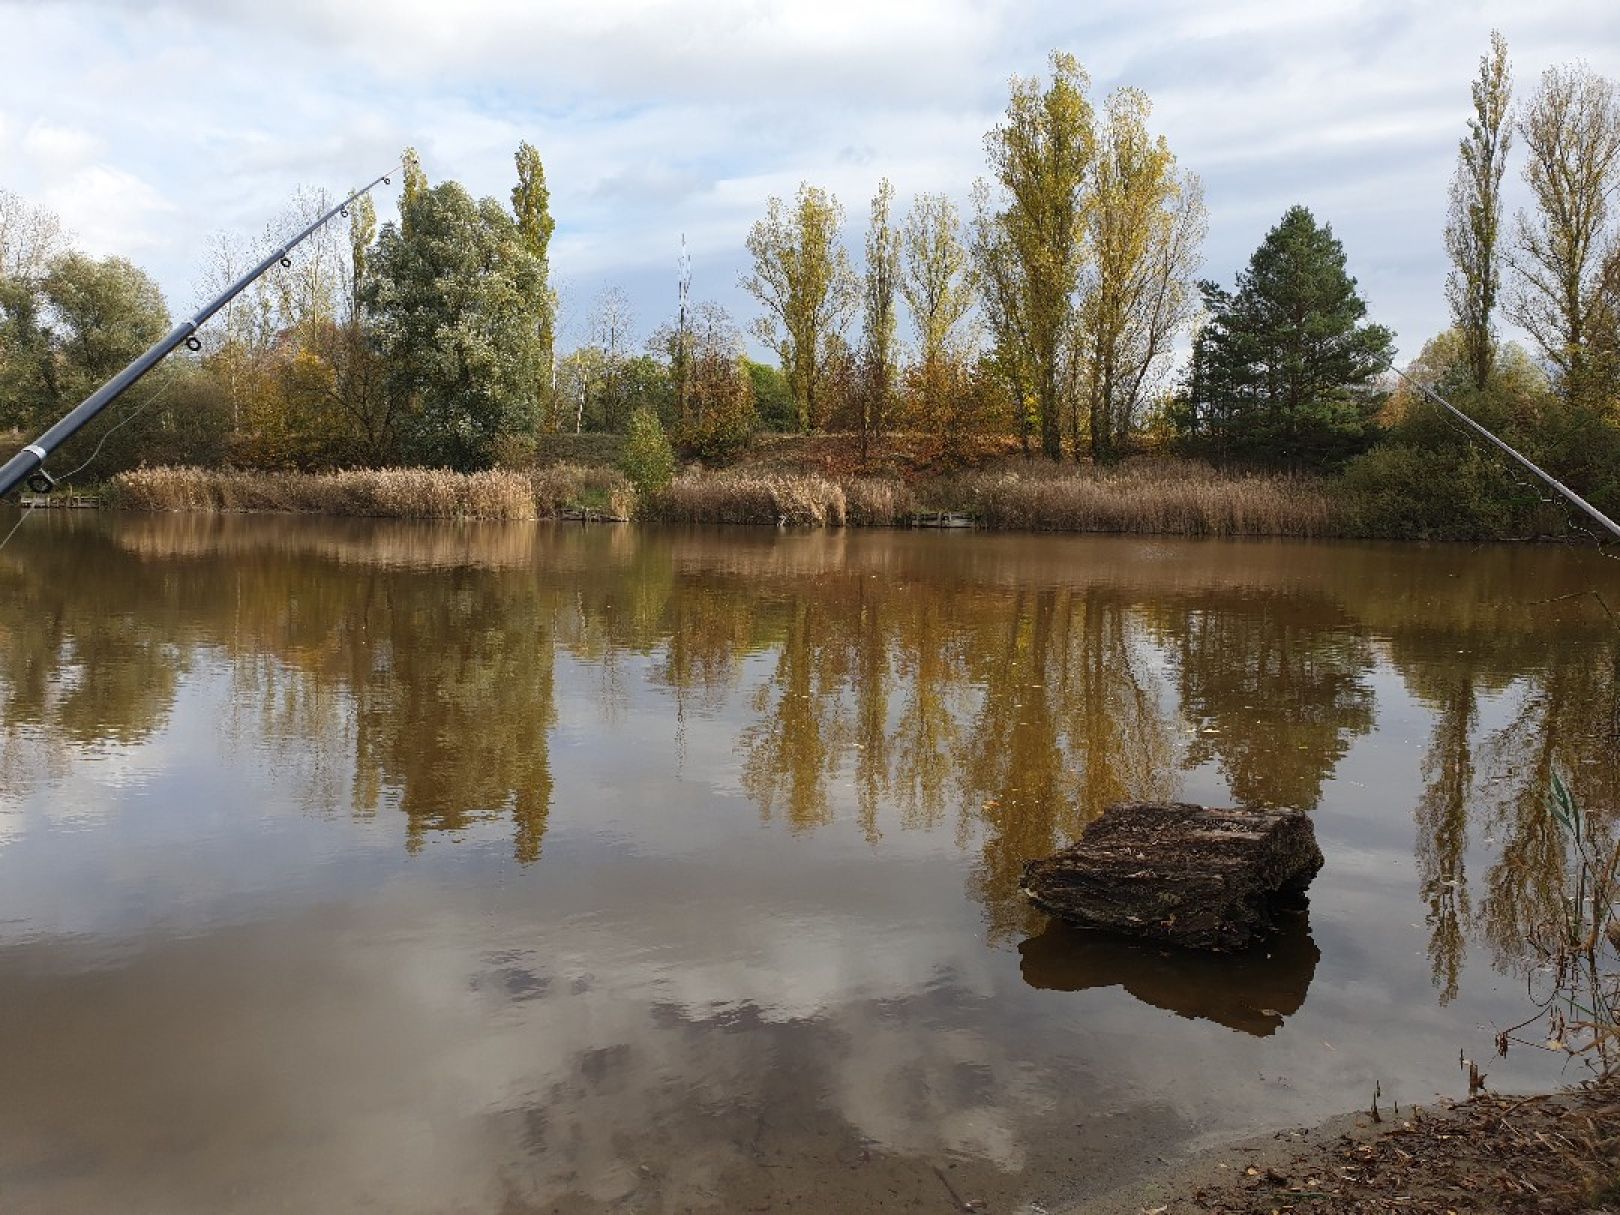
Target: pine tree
[{"x": 1283, "y": 370}]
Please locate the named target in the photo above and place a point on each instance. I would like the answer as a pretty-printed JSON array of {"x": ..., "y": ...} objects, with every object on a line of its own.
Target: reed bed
[
  {"x": 879, "y": 502},
  {"x": 783, "y": 499},
  {"x": 1163, "y": 497},
  {"x": 405, "y": 493},
  {"x": 1166, "y": 498},
  {"x": 557, "y": 488}
]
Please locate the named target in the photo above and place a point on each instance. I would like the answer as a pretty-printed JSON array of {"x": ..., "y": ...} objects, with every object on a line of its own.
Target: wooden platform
[{"x": 58, "y": 501}]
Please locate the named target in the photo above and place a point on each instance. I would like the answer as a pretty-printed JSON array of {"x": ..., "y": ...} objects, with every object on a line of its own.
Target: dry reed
[
  {"x": 1167, "y": 497},
  {"x": 561, "y": 487},
  {"x": 787, "y": 500},
  {"x": 407, "y": 493}
]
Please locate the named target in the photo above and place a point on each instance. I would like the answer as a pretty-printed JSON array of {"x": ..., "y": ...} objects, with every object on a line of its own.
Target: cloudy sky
[{"x": 149, "y": 125}]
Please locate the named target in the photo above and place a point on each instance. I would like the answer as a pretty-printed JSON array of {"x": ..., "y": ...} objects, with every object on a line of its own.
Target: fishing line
[
  {"x": 152, "y": 399},
  {"x": 21, "y": 519},
  {"x": 28, "y": 464},
  {"x": 157, "y": 395}
]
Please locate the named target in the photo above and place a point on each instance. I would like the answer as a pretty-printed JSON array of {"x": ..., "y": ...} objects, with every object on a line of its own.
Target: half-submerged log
[{"x": 1189, "y": 875}]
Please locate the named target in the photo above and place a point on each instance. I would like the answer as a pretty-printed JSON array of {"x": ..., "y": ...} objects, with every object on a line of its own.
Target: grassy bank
[{"x": 1171, "y": 498}]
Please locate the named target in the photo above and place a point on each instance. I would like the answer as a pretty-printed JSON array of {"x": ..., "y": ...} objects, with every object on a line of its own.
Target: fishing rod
[
  {"x": 29, "y": 463},
  {"x": 1591, "y": 511}
]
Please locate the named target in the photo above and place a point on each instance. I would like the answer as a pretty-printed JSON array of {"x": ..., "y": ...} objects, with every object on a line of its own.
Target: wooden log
[{"x": 1171, "y": 871}]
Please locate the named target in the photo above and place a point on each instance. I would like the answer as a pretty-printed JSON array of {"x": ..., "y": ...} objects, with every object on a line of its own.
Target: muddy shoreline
[{"x": 1545, "y": 1152}]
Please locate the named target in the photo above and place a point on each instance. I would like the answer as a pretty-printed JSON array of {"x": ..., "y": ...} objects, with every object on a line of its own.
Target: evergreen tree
[{"x": 1283, "y": 369}]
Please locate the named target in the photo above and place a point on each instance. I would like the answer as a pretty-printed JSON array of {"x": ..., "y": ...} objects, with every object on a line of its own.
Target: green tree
[
  {"x": 531, "y": 203},
  {"x": 1031, "y": 248},
  {"x": 937, "y": 279},
  {"x": 413, "y": 184},
  {"x": 1145, "y": 224},
  {"x": 802, "y": 277},
  {"x": 773, "y": 398},
  {"x": 26, "y": 368},
  {"x": 880, "y": 356},
  {"x": 717, "y": 417},
  {"x": 1283, "y": 369},
  {"x": 455, "y": 301},
  {"x": 1474, "y": 222},
  {"x": 648, "y": 459}
]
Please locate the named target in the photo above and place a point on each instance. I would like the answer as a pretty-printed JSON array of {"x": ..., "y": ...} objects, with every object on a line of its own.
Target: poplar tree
[
  {"x": 1474, "y": 222},
  {"x": 1145, "y": 225},
  {"x": 531, "y": 204},
  {"x": 1571, "y": 132},
  {"x": 803, "y": 278},
  {"x": 1031, "y": 248},
  {"x": 939, "y": 284},
  {"x": 413, "y": 184},
  {"x": 879, "y": 353}
]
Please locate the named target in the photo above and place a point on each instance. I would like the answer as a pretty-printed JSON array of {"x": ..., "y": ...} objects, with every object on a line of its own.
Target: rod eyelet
[
  {"x": 194, "y": 343},
  {"x": 287, "y": 263}
]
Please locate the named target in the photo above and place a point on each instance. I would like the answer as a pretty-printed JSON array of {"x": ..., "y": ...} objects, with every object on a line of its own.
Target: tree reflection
[{"x": 980, "y": 690}]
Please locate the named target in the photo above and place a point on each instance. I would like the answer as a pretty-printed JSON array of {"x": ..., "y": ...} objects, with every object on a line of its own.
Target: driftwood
[{"x": 1189, "y": 875}]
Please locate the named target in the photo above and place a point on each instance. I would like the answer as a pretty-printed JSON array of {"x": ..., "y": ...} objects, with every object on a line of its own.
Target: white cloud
[{"x": 656, "y": 119}]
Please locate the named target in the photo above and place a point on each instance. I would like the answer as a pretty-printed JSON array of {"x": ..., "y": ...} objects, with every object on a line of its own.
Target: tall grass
[
  {"x": 407, "y": 493},
  {"x": 1579, "y": 949},
  {"x": 1164, "y": 497},
  {"x": 738, "y": 497},
  {"x": 1169, "y": 497},
  {"x": 562, "y": 487}
]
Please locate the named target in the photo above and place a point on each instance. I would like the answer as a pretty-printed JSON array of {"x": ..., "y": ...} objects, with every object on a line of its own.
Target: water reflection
[
  {"x": 677, "y": 853},
  {"x": 1251, "y": 992},
  {"x": 428, "y": 655}
]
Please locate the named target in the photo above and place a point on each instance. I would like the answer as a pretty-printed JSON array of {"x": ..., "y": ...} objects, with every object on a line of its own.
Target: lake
[{"x": 358, "y": 864}]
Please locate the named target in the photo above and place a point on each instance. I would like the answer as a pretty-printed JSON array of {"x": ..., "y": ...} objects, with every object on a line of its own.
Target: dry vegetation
[
  {"x": 1172, "y": 497},
  {"x": 407, "y": 493},
  {"x": 559, "y": 488},
  {"x": 1543, "y": 1154},
  {"x": 1162, "y": 496}
]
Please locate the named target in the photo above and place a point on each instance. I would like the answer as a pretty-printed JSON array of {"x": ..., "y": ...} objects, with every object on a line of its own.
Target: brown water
[{"x": 351, "y": 865}]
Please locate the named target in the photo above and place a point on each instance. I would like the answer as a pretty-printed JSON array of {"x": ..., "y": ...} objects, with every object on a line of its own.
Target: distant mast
[{"x": 684, "y": 294}]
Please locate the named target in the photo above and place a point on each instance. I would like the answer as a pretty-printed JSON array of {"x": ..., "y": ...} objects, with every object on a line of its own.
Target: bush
[
  {"x": 648, "y": 460},
  {"x": 1405, "y": 491}
]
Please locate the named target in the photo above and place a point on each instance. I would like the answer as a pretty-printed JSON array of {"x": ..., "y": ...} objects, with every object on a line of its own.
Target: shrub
[
  {"x": 648, "y": 460},
  {"x": 1405, "y": 491}
]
